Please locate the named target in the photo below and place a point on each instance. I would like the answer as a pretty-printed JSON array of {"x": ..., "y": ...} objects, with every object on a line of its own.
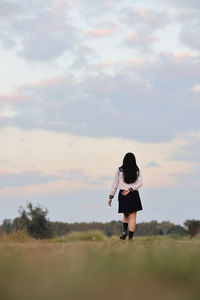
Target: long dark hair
[{"x": 130, "y": 168}]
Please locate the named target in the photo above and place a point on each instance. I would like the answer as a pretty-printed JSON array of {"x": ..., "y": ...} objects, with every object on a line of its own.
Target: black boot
[
  {"x": 124, "y": 233},
  {"x": 130, "y": 235}
]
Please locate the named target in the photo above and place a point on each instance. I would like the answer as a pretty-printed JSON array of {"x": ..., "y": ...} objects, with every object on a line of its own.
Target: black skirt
[{"x": 129, "y": 203}]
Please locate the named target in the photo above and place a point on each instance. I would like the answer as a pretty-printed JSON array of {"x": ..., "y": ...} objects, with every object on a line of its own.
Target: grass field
[{"x": 91, "y": 266}]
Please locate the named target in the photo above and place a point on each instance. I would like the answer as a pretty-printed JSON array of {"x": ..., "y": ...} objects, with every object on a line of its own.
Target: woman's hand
[
  {"x": 124, "y": 193},
  {"x": 109, "y": 201}
]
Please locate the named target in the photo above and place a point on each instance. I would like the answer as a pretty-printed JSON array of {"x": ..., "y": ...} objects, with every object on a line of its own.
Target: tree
[
  {"x": 192, "y": 227},
  {"x": 39, "y": 227},
  {"x": 7, "y": 226},
  {"x": 34, "y": 221},
  {"x": 21, "y": 222}
]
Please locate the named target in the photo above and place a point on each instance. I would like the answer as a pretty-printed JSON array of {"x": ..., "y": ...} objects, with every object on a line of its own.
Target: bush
[
  {"x": 16, "y": 236},
  {"x": 91, "y": 235}
]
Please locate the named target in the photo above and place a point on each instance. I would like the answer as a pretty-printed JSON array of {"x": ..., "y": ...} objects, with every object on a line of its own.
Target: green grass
[
  {"x": 91, "y": 235},
  {"x": 145, "y": 268}
]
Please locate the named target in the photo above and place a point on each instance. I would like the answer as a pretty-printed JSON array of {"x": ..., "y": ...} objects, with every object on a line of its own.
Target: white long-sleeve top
[{"x": 118, "y": 182}]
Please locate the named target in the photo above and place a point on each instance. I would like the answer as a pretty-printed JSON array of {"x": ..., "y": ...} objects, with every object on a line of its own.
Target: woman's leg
[
  {"x": 125, "y": 226},
  {"x": 132, "y": 221},
  {"x": 125, "y": 217}
]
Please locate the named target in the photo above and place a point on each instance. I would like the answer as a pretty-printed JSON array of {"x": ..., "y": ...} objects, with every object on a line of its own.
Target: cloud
[
  {"x": 74, "y": 175},
  {"x": 152, "y": 98},
  {"x": 189, "y": 35},
  {"x": 185, "y": 3},
  {"x": 100, "y": 32},
  {"x": 196, "y": 88},
  {"x": 61, "y": 29},
  {"x": 29, "y": 183},
  {"x": 140, "y": 40},
  {"x": 24, "y": 179},
  {"x": 40, "y": 31},
  {"x": 81, "y": 162},
  {"x": 143, "y": 26},
  {"x": 7, "y": 13},
  {"x": 49, "y": 45},
  {"x": 152, "y": 164},
  {"x": 189, "y": 152},
  {"x": 146, "y": 19},
  {"x": 95, "y": 10},
  {"x": 188, "y": 20}
]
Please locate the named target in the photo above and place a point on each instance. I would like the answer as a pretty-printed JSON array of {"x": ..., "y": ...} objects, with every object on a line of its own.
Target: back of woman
[{"x": 128, "y": 179}]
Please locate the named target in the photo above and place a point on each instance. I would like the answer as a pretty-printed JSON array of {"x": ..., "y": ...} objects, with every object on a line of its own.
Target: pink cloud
[
  {"x": 2, "y": 118},
  {"x": 49, "y": 81},
  {"x": 140, "y": 40},
  {"x": 4, "y": 172},
  {"x": 20, "y": 173},
  {"x": 137, "y": 60},
  {"x": 135, "y": 37},
  {"x": 182, "y": 55},
  {"x": 14, "y": 98},
  {"x": 100, "y": 32},
  {"x": 106, "y": 64},
  {"x": 131, "y": 36},
  {"x": 55, "y": 16}
]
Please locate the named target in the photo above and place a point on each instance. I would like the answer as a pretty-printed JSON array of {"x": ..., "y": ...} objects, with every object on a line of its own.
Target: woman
[{"x": 129, "y": 179}]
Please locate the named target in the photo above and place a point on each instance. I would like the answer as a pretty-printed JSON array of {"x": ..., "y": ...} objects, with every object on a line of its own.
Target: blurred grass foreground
[{"x": 89, "y": 265}]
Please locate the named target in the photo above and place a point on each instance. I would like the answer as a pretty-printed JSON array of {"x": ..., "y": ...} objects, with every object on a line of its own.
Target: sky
[{"x": 83, "y": 82}]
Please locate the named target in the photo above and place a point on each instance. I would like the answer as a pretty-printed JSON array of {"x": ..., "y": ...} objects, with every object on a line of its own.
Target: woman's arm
[{"x": 114, "y": 184}]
